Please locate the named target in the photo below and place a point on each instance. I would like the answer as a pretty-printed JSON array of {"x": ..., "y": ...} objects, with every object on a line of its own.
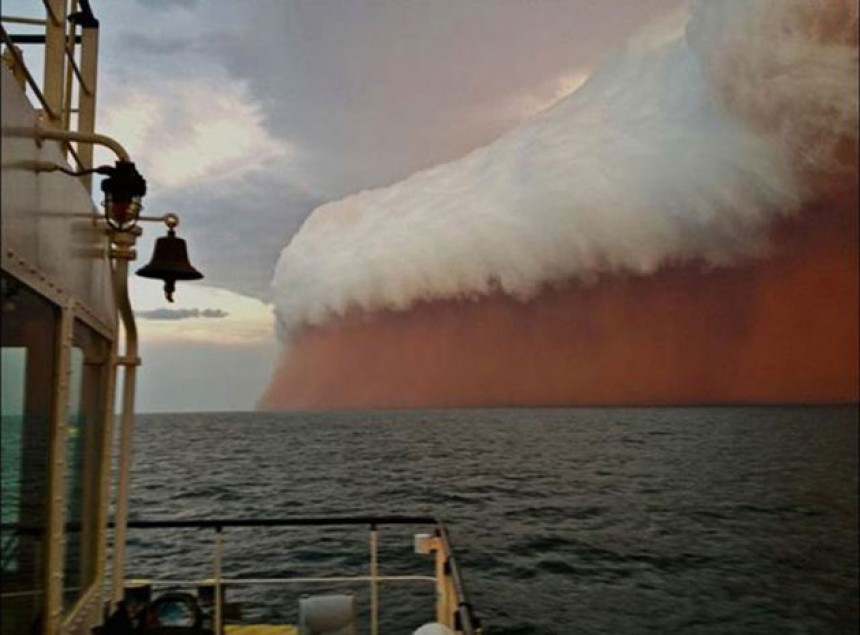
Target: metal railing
[
  {"x": 70, "y": 60},
  {"x": 452, "y": 606}
]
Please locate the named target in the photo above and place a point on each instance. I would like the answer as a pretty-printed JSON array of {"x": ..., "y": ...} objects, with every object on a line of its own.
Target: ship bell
[{"x": 170, "y": 263}]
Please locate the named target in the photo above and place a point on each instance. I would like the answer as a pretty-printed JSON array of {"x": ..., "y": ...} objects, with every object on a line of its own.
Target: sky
[{"x": 244, "y": 117}]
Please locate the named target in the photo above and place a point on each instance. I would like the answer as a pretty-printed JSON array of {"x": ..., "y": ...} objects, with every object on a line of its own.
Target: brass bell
[{"x": 170, "y": 263}]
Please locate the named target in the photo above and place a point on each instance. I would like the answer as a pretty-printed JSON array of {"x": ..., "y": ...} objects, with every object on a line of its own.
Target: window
[
  {"x": 29, "y": 335},
  {"x": 84, "y": 444}
]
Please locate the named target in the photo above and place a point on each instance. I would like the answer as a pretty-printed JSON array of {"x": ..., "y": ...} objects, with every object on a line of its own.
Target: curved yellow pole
[
  {"x": 83, "y": 137},
  {"x": 40, "y": 133},
  {"x": 124, "y": 252}
]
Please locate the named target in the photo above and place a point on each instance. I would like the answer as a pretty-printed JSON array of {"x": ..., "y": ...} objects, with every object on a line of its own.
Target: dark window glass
[
  {"x": 84, "y": 443},
  {"x": 29, "y": 334}
]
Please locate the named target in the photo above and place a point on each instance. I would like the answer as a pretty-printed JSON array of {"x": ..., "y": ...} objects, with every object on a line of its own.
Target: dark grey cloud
[
  {"x": 377, "y": 90},
  {"x": 180, "y": 314}
]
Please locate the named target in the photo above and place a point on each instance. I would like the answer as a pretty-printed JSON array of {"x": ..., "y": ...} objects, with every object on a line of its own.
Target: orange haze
[{"x": 781, "y": 329}]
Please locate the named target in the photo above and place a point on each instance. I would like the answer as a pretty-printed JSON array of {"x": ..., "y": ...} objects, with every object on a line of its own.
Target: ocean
[{"x": 633, "y": 520}]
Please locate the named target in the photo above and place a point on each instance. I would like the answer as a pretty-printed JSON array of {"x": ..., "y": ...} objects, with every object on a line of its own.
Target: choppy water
[{"x": 690, "y": 520}]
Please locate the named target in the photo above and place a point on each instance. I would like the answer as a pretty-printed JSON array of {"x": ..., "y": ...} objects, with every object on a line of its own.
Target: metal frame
[
  {"x": 55, "y": 543},
  {"x": 29, "y": 274},
  {"x": 70, "y": 311},
  {"x": 61, "y": 73}
]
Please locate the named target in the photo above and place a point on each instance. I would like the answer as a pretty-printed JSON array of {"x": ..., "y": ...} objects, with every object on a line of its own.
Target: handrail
[
  {"x": 27, "y": 38},
  {"x": 216, "y": 523},
  {"x": 14, "y": 19},
  {"x": 464, "y": 618},
  {"x": 225, "y": 523},
  {"x": 285, "y": 581}
]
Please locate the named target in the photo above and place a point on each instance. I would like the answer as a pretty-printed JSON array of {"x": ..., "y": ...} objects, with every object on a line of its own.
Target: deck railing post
[
  {"x": 219, "y": 546},
  {"x": 444, "y": 605},
  {"x": 374, "y": 580}
]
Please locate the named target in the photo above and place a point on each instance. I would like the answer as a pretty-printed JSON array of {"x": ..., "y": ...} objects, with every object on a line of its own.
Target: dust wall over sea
[{"x": 778, "y": 330}]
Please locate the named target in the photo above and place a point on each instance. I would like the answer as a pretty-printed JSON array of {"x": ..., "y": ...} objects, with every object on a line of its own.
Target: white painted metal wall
[{"x": 48, "y": 218}]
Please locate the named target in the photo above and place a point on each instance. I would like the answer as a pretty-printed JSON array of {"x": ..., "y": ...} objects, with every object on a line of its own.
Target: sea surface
[{"x": 647, "y": 520}]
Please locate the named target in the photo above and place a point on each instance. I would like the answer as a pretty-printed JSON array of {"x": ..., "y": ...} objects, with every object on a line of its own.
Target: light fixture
[{"x": 123, "y": 189}]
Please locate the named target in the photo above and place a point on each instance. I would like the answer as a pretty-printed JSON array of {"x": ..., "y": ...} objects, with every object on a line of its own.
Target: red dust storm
[{"x": 781, "y": 329}]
